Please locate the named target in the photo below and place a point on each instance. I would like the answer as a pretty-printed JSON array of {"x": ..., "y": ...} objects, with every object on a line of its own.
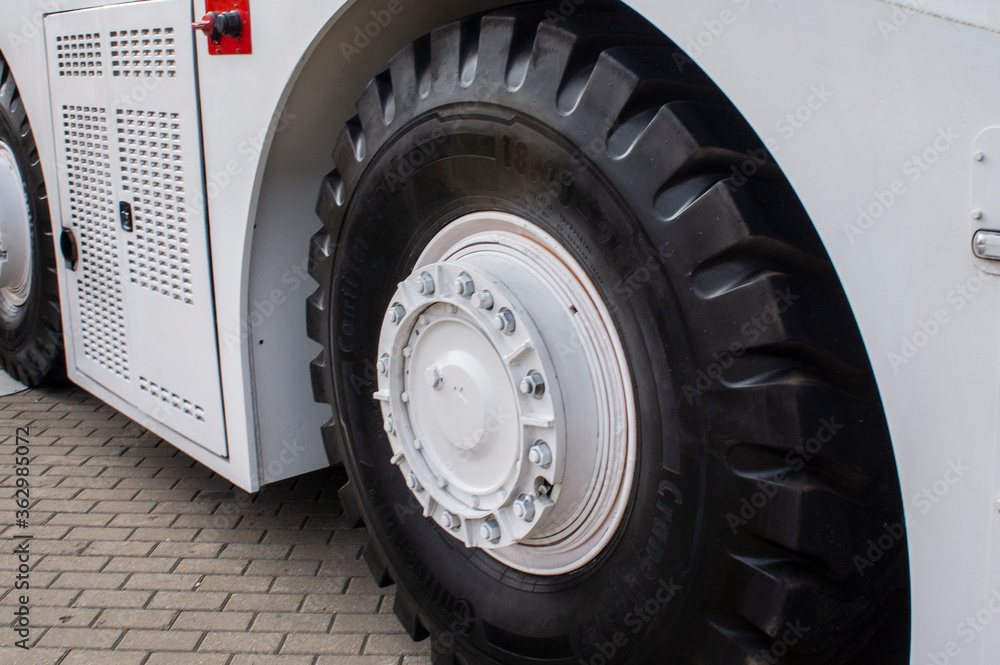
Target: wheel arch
[{"x": 315, "y": 103}]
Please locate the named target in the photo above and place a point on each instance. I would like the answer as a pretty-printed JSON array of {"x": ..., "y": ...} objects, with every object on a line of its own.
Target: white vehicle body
[{"x": 874, "y": 110}]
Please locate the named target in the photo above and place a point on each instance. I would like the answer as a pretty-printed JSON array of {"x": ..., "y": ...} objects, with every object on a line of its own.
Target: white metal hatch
[{"x": 125, "y": 116}]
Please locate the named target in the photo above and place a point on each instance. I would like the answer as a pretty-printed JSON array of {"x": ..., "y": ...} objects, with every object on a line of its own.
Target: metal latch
[
  {"x": 986, "y": 245},
  {"x": 125, "y": 212}
]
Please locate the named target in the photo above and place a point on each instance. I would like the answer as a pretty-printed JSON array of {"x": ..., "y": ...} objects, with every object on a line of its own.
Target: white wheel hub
[
  {"x": 15, "y": 231},
  {"x": 506, "y": 395}
]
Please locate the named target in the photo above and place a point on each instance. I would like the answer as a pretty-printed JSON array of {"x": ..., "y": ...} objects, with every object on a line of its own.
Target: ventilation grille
[
  {"x": 159, "y": 254},
  {"x": 91, "y": 200},
  {"x": 142, "y": 53},
  {"x": 172, "y": 399},
  {"x": 79, "y": 55}
]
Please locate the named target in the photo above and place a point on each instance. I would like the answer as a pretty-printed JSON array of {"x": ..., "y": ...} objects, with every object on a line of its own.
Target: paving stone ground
[{"x": 142, "y": 556}]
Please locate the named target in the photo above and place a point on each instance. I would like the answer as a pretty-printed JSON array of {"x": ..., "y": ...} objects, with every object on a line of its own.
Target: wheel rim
[
  {"x": 15, "y": 231},
  {"x": 506, "y": 395}
]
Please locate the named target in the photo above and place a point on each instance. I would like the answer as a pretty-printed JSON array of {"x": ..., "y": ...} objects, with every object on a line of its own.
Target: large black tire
[
  {"x": 31, "y": 341},
  {"x": 765, "y": 466}
]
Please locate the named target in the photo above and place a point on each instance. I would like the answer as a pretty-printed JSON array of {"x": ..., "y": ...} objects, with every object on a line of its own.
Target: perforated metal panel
[
  {"x": 79, "y": 55},
  {"x": 92, "y": 207},
  {"x": 152, "y": 160},
  {"x": 123, "y": 89},
  {"x": 172, "y": 400},
  {"x": 143, "y": 52}
]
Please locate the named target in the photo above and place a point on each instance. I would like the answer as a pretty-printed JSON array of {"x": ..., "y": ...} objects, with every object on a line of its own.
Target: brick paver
[{"x": 141, "y": 556}]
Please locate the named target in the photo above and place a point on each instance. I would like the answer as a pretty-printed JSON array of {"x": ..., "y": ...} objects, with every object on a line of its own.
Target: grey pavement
[{"x": 142, "y": 556}]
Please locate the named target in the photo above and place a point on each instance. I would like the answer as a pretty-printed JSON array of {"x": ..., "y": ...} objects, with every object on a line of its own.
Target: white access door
[{"x": 131, "y": 186}]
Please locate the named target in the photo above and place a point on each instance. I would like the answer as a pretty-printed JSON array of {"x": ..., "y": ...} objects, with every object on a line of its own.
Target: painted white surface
[
  {"x": 9, "y": 385},
  {"x": 876, "y": 99},
  {"x": 22, "y": 41},
  {"x": 134, "y": 102}
]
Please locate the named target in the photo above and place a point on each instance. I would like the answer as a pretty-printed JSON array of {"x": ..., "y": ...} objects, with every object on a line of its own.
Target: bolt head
[
  {"x": 425, "y": 284},
  {"x": 490, "y": 531},
  {"x": 540, "y": 454},
  {"x": 483, "y": 300},
  {"x": 505, "y": 322},
  {"x": 450, "y": 521},
  {"x": 433, "y": 377},
  {"x": 977, "y": 214},
  {"x": 979, "y": 156},
  {"x": 533, "y": 384},
  {"x": 388, "y": 426},
  {"x": 396, "y": 313},
  {"x": 383, "y": 364},
  {"x": 524, "y": 508},
  {"x": 413, "y": 483},
  {"x": 464, "y": 286}
]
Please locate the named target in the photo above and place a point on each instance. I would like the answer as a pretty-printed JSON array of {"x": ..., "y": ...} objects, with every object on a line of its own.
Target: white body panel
[
  {"x": 872, "y": 111},
  {"x": 116, "y": 81}
]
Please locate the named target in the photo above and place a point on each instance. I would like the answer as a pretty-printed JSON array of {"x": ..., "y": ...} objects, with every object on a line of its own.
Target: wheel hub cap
[
  {"x": 506, "y": 397},
  {"x": 15, "y": 231}
]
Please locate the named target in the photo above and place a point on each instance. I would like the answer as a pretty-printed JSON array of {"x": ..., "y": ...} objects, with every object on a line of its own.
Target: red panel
[{"x": 228, "y": 45}]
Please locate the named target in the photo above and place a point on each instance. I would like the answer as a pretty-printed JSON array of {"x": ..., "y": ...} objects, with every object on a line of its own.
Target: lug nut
[
  {"x": 450, "y": 522},
  {"x": 464, "y": 286},
  {"x": 490, "y": 531},
  {"x": 533, "y": 384},
  {"x": 484, "y": 300},
  {"x": 505, "y": 322},
  {"x": 396, "y": 313},
  {"x": 540, "y": 454},
  {"x": 383, "y": 364},
  {"x": 413, "y": 483},
  {"x": 524, "y": 507},
  {"x": 425, "y": 284},
  {"x": 388, "y": 426},
  {"x": 433, "y": 377}
]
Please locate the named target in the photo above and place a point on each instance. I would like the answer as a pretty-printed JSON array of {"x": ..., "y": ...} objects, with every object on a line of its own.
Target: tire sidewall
[
  {"x": 18, "y": 323},
  {"x": 637, "y": 586}
]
